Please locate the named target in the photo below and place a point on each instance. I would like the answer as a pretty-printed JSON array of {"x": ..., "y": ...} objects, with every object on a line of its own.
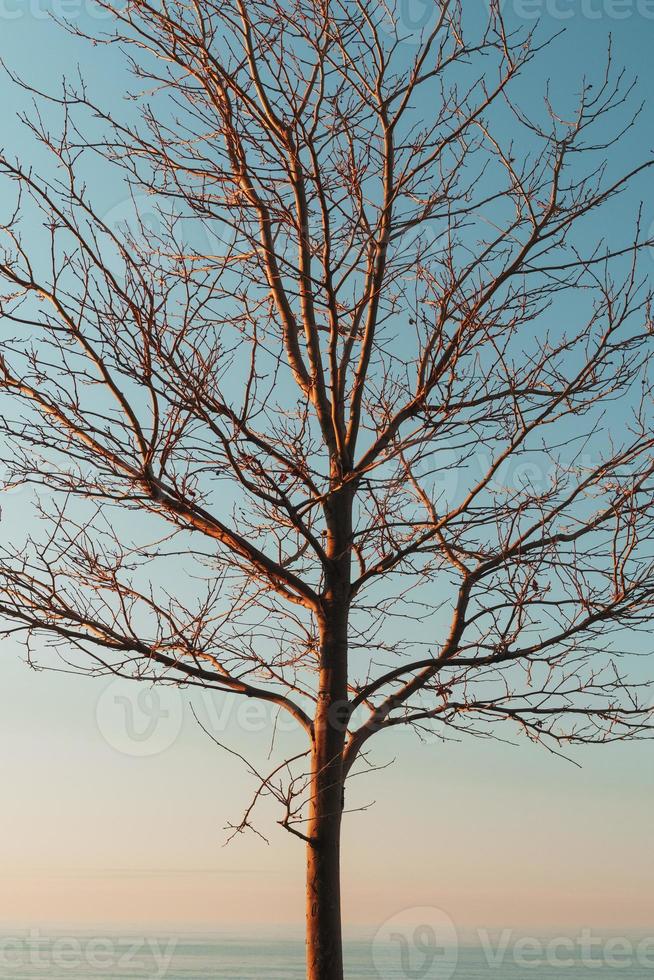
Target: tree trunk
[{"x": 324, "y": 938}]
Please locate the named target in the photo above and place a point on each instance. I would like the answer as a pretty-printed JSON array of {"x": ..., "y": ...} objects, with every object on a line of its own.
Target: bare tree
[{"x": 401, "y": 292}]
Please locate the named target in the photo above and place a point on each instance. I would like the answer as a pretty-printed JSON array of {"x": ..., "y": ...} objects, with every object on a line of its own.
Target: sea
[{"x": 28, "y": 955}]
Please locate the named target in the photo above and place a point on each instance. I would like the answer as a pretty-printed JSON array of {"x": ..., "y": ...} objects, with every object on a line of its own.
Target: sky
[{"x": 114, "y": 808}]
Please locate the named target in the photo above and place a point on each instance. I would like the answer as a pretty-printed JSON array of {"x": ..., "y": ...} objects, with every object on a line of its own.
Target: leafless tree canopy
[{"x": 361, "y": 425}]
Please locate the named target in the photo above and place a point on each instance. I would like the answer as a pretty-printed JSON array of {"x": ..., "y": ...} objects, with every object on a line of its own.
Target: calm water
[{"x": 27, "y": 957}]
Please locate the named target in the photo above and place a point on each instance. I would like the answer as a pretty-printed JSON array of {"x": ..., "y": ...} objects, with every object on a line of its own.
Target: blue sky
[{"x": 493, "y": 834}]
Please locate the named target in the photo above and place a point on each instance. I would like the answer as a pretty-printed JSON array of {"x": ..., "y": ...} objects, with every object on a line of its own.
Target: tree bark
[
  {"x": 324, "y": 934},
  {"x": 324, "y": 937}
]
